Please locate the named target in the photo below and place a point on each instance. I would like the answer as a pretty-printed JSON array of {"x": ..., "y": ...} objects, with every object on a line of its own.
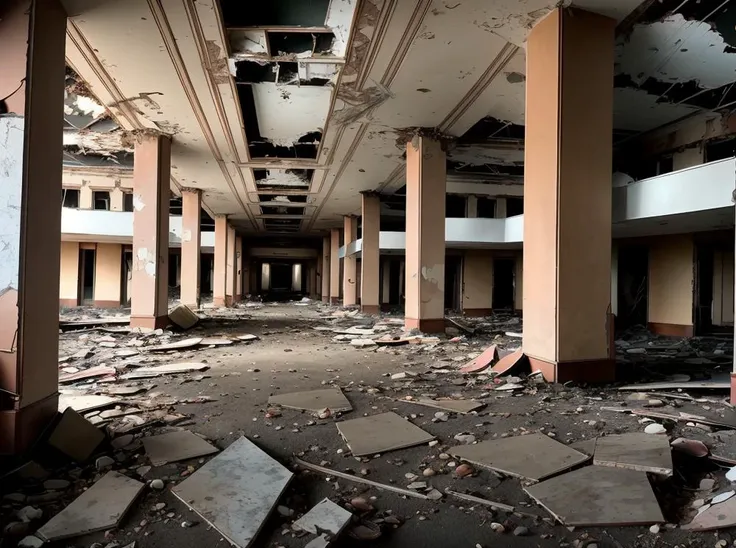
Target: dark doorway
[
  {"x": 503, "y": 283},
  {"x": 205, "y": 274},
  {"x": 126, "y": 277},
  {"x": 453, "y": 264},
  {"x": 280, "y": 277},
  {"x": 86, "y": 276},
  {"x": 633, "y": 286}
]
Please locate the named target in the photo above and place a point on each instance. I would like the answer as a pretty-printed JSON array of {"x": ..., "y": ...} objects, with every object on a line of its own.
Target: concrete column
[
  {"x": 220, "y": 262},
  {"x": 86, "y": 197},
  {"x": 519, "y": 284},
  {"x": 567, "y": 196},
  {"x": 477, "y": 293},
  {"x": 350, "y": 263},
  {"x": 501, "y": 208},
  {"x": 671, "y": 285},
  {"x": 191, "y": 202},
  {"x": 231, "y": 265},
  {"x": 312, "y": 279},
  {"x": 117, "y": 199},
  {"x": 370, "y": 261},
  {"x": 151, "y": 179},
  {"x": 334, "y": 266},
  {"x": 426, "y": 183},
  {"x": 238, "y": 268},
  {"x": 32, "y": 36},
  {"x": 69, "y": 275},
  {"x": 326, "y": 269},
  {"x": 108, "y": 275},
  {"x": 386, "y": 282},
  {"x": 472, "y": 207}
]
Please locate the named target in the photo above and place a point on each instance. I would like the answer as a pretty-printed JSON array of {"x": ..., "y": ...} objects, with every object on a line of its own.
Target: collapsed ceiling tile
[
  {"x": 481, "y": 155},
  {"x": 248, "y": 41},
  {"x": 290, "y": 13},
  {"x": 283, "y": 177}
]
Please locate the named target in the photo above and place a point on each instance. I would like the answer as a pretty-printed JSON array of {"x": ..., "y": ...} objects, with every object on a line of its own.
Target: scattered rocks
[
  {"x": 56, "y": 484},
  {"x": 497, "y": 527},
  {"x": 428, "y": 472},
  {"x": 361, "y": 505},
  {"x": 655, "y": 428},
  {"x": 103, "y": 463},
  {"x": 157, "y": 484},
  {"x": 654, "y": 529},
  {"x": 29, "y": 513},
  {"x": 521, "y": 531},
  {"x": 464, "y": 470},
  {"x": 417, "y": 485},
  {"x": 30, "y": 542},
  {"x": 467, "y": 439}
]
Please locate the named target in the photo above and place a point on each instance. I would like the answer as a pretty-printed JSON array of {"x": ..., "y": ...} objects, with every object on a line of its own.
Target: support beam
[
  {"x": 238, "y": 268},
  {"x": 325, "y": 269},
  {"x": 191, "y": 211},
  {"x": 334, "y": 266},
  {"x": 231, "y": 266},
  {"x": 567, "y": 196},
  {"x": 350, "y": 263},
  {"x": 32, "y": 36},
  {"x": 220, "y": 262},
  {"x": 151, "y": 180},
  {"x": 426, "y": 180},
  {"x": 370, "y": 261}
]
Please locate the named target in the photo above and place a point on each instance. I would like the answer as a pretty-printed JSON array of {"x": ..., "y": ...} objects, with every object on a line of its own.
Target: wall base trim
[
  {"x": 426, "y": 325},
  {"x": 149, "y": 322},
  {"x": 593, "y": 371},
  {"x": 107, "y": 304},
  {"x": 477, "y": 312},
  {"x": 671, "y": 329},
  {"x": 370, "y": 308},
  {"x": 20, "y": 428},
  {"x": 219, "y": 301},
  {"x": 68, "y": 303},
  {"x": 334, "y": 300}
]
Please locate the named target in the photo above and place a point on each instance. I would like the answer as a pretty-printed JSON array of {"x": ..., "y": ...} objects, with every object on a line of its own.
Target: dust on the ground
[{"x": 297, "y": 349}]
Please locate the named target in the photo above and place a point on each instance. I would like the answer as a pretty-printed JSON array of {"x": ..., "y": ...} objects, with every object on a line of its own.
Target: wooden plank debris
[
  {"x": 482, "y": 362},
  {"x": 533, "y": 457},
  {"x": 176, "y": 446},
  {"x": 168, "y": 369},
  {"x": 599, "y": 496},
  {"x": 75, "y": 436},
  {"x": 381, "y": 433},
  {"x": 176, "y": 345},
  {"x": 92, "y": 372},
  {"x": 636, "y": 451},
  {"x": 236, "y": 491},
  {"x": 448, "y": 404},
  {"x": 313, "y": 400},
  {"x": 99, "y": 508},
  {"x": 358, "y": 479},
  {"x": 718, "y": 516}
]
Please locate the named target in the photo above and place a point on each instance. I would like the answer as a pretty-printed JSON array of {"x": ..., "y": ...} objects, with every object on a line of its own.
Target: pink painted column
[
  {"x": 238, "y": 268},
  {"x": 370, "y": 280},
  {"x": 220, "y": 260},
  {"x": 426, "y": 183},
  {"x": 334, "y": 266},
  {"x": 231, "y": 266},
  {"x": 350, "y": 263},
  {"x": 190, "y": 246},
  {"x": 151, "y": 176},
  {"x": 325, "y": 269},
  {"x": 32, "y": 36}
]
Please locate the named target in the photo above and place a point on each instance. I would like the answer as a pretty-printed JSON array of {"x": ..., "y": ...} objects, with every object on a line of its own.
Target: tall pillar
[
  {"x": 220, "y": 262},
  {"x": 151, "y": 176},
  {"x": 386, "y": 282},
  {"x": 350, "y": 263},
  {"x": 370, "y": 264},
  {"x": 32, "y": 36},
  {"x": 191, "y": 202},
  {"x": 334, "y": 266},
  {"x": 426, "y": 183},
  {"x": 231, "y": 265},
  {"x": 238, "y": 268},
  {"x": 567, "y": 196},
  {"x": 326, "y": 269}
]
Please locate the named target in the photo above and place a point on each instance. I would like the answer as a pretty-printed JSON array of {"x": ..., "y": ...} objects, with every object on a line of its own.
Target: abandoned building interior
[{"x": 499, "y": 210}]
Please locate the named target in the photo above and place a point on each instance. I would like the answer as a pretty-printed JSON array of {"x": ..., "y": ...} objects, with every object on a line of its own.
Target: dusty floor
[{"x": 291, "y": 355}]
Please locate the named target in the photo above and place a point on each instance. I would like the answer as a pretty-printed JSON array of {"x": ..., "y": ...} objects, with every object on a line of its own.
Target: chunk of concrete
[{"x": 182, "y": 316}]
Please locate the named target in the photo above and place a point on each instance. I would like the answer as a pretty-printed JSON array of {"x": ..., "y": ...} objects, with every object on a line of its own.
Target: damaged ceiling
[{"x": 301, "y": 101}]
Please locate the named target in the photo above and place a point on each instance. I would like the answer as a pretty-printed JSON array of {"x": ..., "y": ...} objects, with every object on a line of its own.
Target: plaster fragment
[{"x": 138, "y": 203}]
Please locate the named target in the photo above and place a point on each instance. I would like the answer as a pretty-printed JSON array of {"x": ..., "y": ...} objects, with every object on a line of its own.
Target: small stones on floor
[{"x": 157, "y": 484}]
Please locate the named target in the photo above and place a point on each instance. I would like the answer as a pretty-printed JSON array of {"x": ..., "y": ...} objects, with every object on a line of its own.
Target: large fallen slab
[
  {"x": 313, "y": 400},
  {"x": 176, "y": 446},
  {"x": 176, "y": 345},
  {"x": 718, "y": 516},
  {"x": 636, "y": 451},
  {"x": 599, "y": 496},
  {"x": 534, "y": 456},
  {"x": 236, "y": 491},
  {"x": 381, "y": 433},
  {"x": 168, "y": 369},
  {"x": 92, "y": 372},
  {"x": 718, "y": 382},
  {"x": 75, "y": 436},
  {"x": 325, "y": 518},
  {"x": 99, "y": 508},
  {"x": 83, "y": 402}
]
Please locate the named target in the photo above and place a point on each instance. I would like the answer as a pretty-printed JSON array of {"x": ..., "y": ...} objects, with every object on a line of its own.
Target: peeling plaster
[
  {"x": 248, "y": 41},
  {"x": 434, "y": 274},
  {"x": 11, "y": 182},
  {"x": 138, "y": 203},
  {"x": 146, "y": 261},
  {"x": 282, "y": 177},
  {"x": 339, "y": 19},
  {"x": 186, "y": 236},
  {"x": 676, "y": 50}
]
